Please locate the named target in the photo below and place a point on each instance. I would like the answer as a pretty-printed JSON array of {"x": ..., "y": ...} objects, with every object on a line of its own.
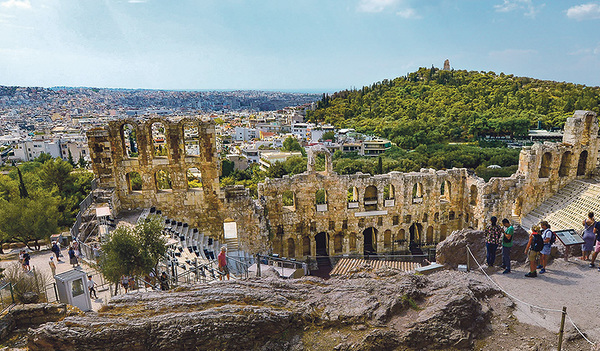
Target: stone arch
[
  {"x": 436, "y": 217},
  {"x": 389, "y": 192},
  {"x": 194, "y": 178},
  {"x": 565, "y": 164},
  {"x": 191, "y": 138},
  {"x": 321, "y": 197},
  {"x": 352, "y": 242},
  {"x": 417, "y": 193},
  {"x": 443, "y": 232},
  {"x": 545, "y": 165},
  {"x": 429, "y": 235},
  {"x": 582, "y": 164},
  {"x": 288, "y": 199},
  {"x": 158, "y": 138},
  {"x": 291, "y": 246},
  {"x": 338, "y": 241},
  {"x": 306, "y": 246},
  {"x": 473, "y": 195},
  {"x": 352, "y": 194},
  {"x": 322, "y": 244},
  {"x": 129, "y": 139},
  {"x": 445, "y": 190},
  {"x": 387, "y": 239},
  {"x": 402, "y": 235},
  {"x": 370, "y": 241},
  {"x": 312, "y": 159},
  {"x": 162, "y": 179},
  {"x": 416, "y": 231},
  {"x": 370, "y": 198},
  {"x": 134, "y": 182},
  {"x": 451, "y": 215}
]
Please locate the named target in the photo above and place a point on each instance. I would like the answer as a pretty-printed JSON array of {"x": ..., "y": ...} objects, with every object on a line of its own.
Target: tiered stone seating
[
  {"x": 345, "y": 265},
  {"x": 568, "y": 207}
]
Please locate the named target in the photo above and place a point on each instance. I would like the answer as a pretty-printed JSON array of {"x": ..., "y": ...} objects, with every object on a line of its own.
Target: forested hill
[{"x": 432, "y": 106}]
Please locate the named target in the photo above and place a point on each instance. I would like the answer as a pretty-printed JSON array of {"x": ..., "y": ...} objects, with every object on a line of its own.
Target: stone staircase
[{"x": 568, "y": 207}]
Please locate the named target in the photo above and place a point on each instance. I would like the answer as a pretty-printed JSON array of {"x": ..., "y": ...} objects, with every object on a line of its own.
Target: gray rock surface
[{"x": 382, "y": 310}]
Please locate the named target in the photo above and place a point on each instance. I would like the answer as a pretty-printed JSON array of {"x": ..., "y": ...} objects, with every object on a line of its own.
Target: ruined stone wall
[
  {"x": 326, "y": 213},
  {"x": 205, "y": 207}
]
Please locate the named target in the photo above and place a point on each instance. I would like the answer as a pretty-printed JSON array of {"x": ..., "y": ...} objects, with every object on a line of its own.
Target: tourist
[
  {"x": 588, "y": 237},
  {"x": 533, "y": 248},
  {"x": 52, "y": 265},
  {"x": 125, "y": 282},
  {"x": 26, "y": 259},
  {"x": 547, "y": 236},
  {"x": 56, "y": 250},
  {"x": 96, "y": 253},
  {"x": 506, "y": 245},
  {"x": 493, "y": 235},
  {"x": 73, "y": 257},
  {"x": 222, "y": 258},
  {"x": 164, "y": 281},
  {"x": 91, "y": 284},
  {"x": 597, "y": 247}
]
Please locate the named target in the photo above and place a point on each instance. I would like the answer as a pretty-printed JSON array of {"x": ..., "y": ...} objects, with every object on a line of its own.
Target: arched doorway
[
  {"x": 582, "y": 164},
  {"x": 415, "y": 231},
  {"x": 321, "y": 240},
  {"x": 370, "y": 237}
]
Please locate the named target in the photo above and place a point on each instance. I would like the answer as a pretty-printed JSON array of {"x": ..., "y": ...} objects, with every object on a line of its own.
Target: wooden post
[
  {"x": 257, "y": 265},
  {"x": 562, "y": 327},
  {"x": 468, "y": 259}
]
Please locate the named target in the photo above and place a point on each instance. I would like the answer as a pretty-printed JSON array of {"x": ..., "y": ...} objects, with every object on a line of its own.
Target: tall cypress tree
[{"x": 22, "y": 190}]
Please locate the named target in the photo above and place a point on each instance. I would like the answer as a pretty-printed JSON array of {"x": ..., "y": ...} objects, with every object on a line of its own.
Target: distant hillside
[{"x": 432, "y": 105}]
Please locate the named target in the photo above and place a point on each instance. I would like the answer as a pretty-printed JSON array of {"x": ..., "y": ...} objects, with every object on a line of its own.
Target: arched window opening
[
  {"x": 289, "y": 200},
  {"x": 443, "y": 232},
  {"x": 194, "y": 178},
  {"x": 436, "y": 217},
  {"x": 473, "y": 195},
  {"x": 321, "y": 197},
  {"x": 545, "y": 166},
  {"x": 306, "y": 246},
  {"x": 159, "y": 140},
  {"x": 352, "y": 197},
  {"x": 445, "y": 191},
  {"x": 451, "y": 215},
  {"x": 425, "y": 217},
  {"x": 338, "y": 243},
  {"x": 582, "y": 164},
  {"x": 370, "y": 198},
  {"x": 565, "y": 164},
  {"x": 191, "y": 139},
  {"x": 429, "y": 235},
  {"x": 352, "y": 242},
  {"x": 389, "y": 192},
  {"x": 387, "y": 239},
  {"x": 401, "y": 234},
  {"x": 291, "y": 248},
  {"x": 134, "y": 182},
  {"x": 417, "y": 194},
  {"x": 129, "y": 138},
  {"x": 163, "y": 180}
]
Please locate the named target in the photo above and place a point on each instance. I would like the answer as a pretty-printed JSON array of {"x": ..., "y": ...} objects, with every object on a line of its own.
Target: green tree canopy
[{"x": 292, "y": 144}]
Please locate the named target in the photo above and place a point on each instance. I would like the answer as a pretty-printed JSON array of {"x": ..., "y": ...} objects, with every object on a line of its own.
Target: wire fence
[
  {"x": 7, "y": 298},
  {"x": 531, "y": 306}
]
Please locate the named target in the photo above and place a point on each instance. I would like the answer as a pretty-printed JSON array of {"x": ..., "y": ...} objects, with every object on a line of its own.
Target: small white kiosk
[{"x": 72, "y": 289}]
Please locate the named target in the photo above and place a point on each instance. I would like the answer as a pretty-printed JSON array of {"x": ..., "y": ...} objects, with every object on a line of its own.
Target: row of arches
[
  {"x": 371, "y": 236},
  {"x": 370, "y": 198},
  {"x": 565, "y": 164},
  {"x": 162, "y": 180},
  {"x": 157, "y": 135}
]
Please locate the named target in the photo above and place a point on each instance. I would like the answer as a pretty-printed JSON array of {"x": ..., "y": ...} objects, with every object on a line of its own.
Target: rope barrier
[{"x": 526, "y": 303}]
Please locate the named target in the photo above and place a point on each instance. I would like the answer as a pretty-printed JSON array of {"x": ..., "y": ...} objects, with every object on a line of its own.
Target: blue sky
[{"x": 293, "y": 45}]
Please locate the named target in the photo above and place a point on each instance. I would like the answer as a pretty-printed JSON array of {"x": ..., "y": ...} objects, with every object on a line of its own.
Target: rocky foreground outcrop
[{"x": 382, "y": 310}]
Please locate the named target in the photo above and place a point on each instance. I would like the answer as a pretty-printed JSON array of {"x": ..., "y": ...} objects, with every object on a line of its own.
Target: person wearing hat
[
  {"x": 52, "y": 265},
  {"x": 222, "y": 258}
]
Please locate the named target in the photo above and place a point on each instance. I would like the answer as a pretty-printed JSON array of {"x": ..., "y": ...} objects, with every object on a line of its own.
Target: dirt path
[{"x": 572, "y": 284}]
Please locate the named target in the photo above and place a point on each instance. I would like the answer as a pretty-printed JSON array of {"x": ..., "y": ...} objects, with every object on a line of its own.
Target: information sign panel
[{"x": 569, "y": 237}]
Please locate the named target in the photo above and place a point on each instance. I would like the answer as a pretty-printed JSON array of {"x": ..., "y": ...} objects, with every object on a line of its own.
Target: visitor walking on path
[
  {"x": 73, "y": 257},
  {"x": 597, "y": 246},
  {"x": 588, "y": 237},
  {"x": 25, "y": 261},
  {"x": 56, "y": 250},
  {"x": 507, "y": 245},
  {"x": 533, "y": 248},
  {"x": 164, "y": 281},
  {"x": 547, "y": 236},
  {"x": 91, "y": 284},
  {"x": 52, "y": 265},
  {"x": 493, "y": 235},
  {"x": 222, "y": 258}
]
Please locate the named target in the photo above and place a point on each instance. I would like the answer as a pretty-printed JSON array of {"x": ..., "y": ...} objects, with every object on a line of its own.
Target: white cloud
[
  {"x": 584, "y": 12},
  {"x": 20, "y": 4},
  {"x": 530, "y": 9},
  {"x": 408, "y": 13},
  {"x": 137, "y": 1},
  {"x": 375, "y": 5}
]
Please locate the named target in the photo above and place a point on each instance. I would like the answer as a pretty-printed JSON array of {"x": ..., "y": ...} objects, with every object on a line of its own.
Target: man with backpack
[
  {"x": 534, "y": 246},
  {"x": 548, "y": 237}
]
